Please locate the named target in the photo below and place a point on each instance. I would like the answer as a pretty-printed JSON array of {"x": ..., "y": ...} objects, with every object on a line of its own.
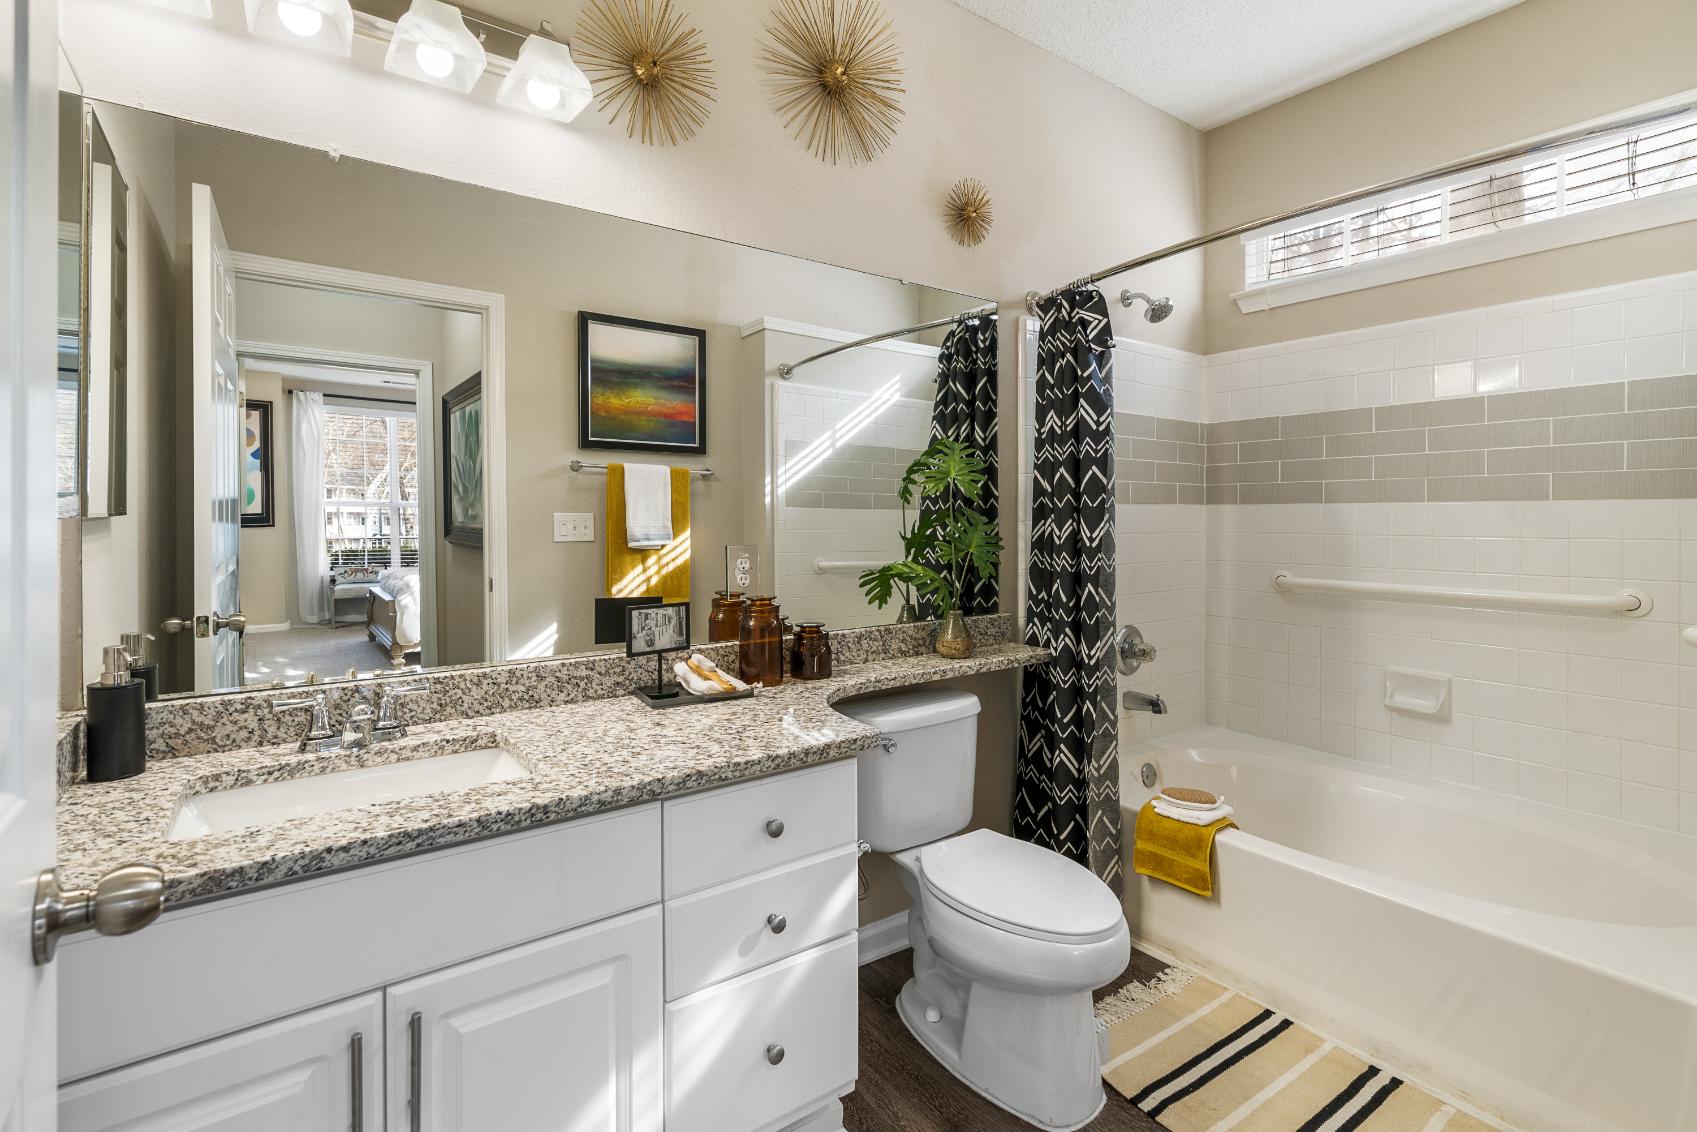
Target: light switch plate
[
  {"x": 742, "y": 567},
  {"x": 573, "y": 527}
]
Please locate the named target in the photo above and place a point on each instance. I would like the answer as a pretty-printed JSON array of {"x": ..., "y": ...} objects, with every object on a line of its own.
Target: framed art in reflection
[
  {"x": 642, "y": 386},
  {"x": 257, "y": 464},
  {"x": 462, "y": 462}
]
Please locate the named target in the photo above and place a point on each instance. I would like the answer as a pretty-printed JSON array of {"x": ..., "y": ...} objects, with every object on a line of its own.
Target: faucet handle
[
  {"x": 318, "y": 729},
  {"x": 1132, "y": 651},
  {"x": 386, "y": 697}
]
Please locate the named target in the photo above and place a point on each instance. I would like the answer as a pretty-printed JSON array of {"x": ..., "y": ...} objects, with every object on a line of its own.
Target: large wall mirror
[{"x": 374, "y": 419}]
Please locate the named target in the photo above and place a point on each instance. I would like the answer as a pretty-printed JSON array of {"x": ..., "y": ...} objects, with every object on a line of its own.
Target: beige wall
[
  {"x": 1539, "y": 67},
  {"x": 460, "y": 586},
  {"x": 267, "y": 553},
  {"x": 128, "y": 568}
]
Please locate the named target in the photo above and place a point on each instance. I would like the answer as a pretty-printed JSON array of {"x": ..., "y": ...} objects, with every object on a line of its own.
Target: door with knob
[
  {"x": 215, "y": 397},
  {"x": 567, "y": 1025},
  {"x": 28, "y": 550}
]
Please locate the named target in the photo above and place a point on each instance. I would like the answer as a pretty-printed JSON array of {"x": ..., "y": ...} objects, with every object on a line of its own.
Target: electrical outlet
[
  {"x": 573, "y": 528},
  {"x": 742, "y": 567}
]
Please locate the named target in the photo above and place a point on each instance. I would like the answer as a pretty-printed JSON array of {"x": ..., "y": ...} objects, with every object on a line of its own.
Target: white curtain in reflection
[{"x": 306, "y": 483}]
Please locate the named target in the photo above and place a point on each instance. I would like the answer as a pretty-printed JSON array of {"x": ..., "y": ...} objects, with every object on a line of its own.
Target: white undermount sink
[{"x": 243, "y": 807}]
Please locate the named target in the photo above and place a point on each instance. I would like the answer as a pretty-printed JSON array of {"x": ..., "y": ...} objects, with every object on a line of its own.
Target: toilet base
[{"x": 1019, "y": 1063}]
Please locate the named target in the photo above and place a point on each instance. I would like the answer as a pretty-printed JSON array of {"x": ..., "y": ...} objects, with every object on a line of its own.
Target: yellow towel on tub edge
[
  {"x": 1175, "y": 851},
  {"x": 662, "y": 573}
]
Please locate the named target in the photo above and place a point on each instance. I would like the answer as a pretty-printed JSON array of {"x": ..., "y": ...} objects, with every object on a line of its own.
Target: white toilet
[{"x": 1009, "y": 939}]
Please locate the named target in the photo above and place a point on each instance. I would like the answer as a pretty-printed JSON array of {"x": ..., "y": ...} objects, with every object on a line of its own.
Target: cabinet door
[
  {"x": 561, "y": 1035},
  {"x": 320, "y": 1071}
]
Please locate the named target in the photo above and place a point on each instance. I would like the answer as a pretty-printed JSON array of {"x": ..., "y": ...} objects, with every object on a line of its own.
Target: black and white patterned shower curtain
[
  {"x": 1067, "y": 775},
  {"x": 965, "y": 410}
]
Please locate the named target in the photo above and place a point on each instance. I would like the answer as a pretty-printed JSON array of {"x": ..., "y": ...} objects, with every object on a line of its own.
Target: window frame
[
  {"x": 1446, "y": 252},
  {"x": 395, "y": 505}
]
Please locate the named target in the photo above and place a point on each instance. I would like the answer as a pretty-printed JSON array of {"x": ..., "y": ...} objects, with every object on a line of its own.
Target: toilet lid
[{"x": 1020, "y": 886}]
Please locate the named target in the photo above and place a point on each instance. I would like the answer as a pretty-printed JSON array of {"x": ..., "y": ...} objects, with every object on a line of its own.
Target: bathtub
[{"x": 1544, "y": 974}]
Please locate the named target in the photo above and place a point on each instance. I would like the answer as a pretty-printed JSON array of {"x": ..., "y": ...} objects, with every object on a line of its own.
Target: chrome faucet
[
  {"x": 357, "y": 731},
  {"x": 388, "y": 726},
  {"x": 319, "y": 736},
  {"x": 1142, "y": 701}
]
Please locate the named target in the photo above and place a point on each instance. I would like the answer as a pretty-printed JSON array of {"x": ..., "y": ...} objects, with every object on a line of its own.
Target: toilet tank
[{"x": 922, "y": 790}]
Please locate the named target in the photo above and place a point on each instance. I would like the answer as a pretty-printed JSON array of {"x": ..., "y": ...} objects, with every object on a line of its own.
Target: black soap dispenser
[
  {"x": 142, "y": 666},
  {"x": 117, "y": 720}
]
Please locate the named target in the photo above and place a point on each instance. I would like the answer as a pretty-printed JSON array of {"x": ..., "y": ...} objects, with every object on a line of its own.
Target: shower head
[{"x": 1158, "y": 308}]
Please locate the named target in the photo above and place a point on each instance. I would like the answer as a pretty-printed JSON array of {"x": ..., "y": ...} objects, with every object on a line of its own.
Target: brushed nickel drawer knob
[
  {"x": 774, "y": 829},
  {"x": 774, "y": 1053},
  {"x": 777, "y": 923}
]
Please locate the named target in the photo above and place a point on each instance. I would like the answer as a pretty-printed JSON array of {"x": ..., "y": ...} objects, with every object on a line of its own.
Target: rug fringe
[{"x": 1134, "y": 998}]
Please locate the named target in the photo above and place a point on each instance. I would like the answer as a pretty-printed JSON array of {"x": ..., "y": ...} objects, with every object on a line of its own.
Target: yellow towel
[
  {"x": 1175, "y": 851},
  {"x": 662, "y": 573}
]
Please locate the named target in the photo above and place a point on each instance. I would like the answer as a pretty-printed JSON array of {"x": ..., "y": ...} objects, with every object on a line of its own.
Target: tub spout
[{"x": 1139, "y": 701}]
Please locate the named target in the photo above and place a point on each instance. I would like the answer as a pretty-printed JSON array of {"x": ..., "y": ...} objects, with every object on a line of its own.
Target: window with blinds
[
  {"x": 370, "y": 487},
  {"x": 1601, "y": 173}
]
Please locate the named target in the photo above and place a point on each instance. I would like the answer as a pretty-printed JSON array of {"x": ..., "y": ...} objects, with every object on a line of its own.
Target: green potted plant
[{"x": 949, "y": 544}]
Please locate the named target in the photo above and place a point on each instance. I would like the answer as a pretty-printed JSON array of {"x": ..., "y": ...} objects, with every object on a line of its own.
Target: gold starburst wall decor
[
  {"x": 837, "y": 72},
  {"x": 968, "y": 212},
  {"x": 647, "y": 68}
]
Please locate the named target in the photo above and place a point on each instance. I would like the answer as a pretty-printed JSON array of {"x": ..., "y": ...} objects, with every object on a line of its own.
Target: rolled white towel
[
  {"x": 701, "y": 661},
  {"x": 693, "y": 683},
  {"x": 1190, "y": 816}
]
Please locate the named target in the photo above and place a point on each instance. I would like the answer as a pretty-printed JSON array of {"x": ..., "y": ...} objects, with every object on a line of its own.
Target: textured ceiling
[{"x": 1209, "y": 61}]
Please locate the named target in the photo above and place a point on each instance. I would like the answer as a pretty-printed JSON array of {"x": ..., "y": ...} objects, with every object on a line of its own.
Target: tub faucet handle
[{"x": 1131, "y": 650}]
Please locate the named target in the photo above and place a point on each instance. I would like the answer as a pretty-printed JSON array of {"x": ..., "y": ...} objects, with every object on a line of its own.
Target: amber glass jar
[
  {"x": 810, "y": 656},
  {"x": 724, "y": 623},
  {"x": 760, "y": 643}
]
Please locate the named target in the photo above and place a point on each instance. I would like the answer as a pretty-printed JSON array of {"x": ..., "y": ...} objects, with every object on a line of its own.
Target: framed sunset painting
[{"x": 642, "y": 386}]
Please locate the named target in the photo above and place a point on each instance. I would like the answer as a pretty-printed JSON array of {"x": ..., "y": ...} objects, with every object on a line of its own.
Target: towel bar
[
  {"x": 846, "y": 565},
  {"x": 580, "y": 466},
  {"x": 1627, "y": 603}
]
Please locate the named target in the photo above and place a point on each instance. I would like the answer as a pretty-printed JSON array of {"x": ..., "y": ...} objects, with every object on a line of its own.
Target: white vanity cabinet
[
  {"x": 569, "y": 1024},
  {"x": 762, "y": 951},
  {"x": 320, "y": 1071},
  {"x": 687, "y": 965}
]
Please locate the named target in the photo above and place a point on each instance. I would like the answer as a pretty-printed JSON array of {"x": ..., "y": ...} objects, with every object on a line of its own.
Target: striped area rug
[{"x": 1200, "y": 1058}]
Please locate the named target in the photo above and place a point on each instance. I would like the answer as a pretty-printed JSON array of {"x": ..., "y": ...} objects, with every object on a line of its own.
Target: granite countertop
[{"x": 583, "y": 758}]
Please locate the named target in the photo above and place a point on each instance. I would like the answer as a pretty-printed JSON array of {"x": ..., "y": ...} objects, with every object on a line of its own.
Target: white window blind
[
  {"x": 1600, "y": 173},
  {"x": 370, "y": 487}
]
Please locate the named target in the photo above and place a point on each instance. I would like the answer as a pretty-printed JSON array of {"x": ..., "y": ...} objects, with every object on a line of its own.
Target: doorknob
[
  {"x": 235, "y": 621},
  {"x": 171, "y": 626},
  {"x": 125, "y": 900}
]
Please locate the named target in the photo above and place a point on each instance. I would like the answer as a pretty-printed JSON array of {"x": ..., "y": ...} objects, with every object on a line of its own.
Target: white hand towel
[
  {"x": 702, "y": 662},
  {"x": 692, "y": 682},
  {"x": 1193, "y": 817},
  {"x": 648, "y": 506}
]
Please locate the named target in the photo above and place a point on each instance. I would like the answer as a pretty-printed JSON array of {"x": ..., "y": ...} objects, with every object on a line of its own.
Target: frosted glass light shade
[
  {"x": 545, "y": 81},
  {"x": 201, "y": 8},
  {"x": 324, "y": 25},
  {"x": 432, "y": 44}
]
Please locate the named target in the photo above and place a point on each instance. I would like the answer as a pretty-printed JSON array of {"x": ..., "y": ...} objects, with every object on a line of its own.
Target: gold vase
[{"x": 953, "y": 641}]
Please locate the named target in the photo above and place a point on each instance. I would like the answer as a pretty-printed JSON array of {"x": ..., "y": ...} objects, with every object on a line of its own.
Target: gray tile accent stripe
[{"x": 1619, "y": 440}]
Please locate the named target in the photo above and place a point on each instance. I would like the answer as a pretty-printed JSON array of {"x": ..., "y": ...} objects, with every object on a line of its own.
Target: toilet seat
[{"x": 1020, "y": 888}]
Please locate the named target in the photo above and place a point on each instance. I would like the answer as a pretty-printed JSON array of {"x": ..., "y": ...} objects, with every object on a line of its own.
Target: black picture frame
[
  {"x": 267, "y": 515},
  {"x": 674, "y": 610},
  {"x": 587, "y": 421},
  {"x": 457, "y": 528}
]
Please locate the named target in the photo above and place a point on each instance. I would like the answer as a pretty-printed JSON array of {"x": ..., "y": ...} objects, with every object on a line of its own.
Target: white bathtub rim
[
  {"x": 1668, "y": 849},
  {"x": 1623, "y": 952}
]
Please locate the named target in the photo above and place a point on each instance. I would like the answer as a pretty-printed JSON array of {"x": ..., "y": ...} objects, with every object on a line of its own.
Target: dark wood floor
[{"x": 902, "y": 1088}]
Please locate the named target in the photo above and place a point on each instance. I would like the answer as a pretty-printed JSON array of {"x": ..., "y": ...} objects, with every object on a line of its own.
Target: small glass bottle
[
  {"x": 760, "y": 643},
  {"x": 724, "y": 623},
  {"x": 810, "y": 659}
]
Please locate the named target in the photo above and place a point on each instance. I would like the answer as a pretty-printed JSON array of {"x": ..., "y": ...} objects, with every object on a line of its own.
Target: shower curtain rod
[
  {"x": 1557, "y": 141},
  {"x": 785, "y": 369}
]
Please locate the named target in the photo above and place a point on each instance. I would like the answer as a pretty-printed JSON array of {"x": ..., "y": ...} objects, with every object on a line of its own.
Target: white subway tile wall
[
  {"x": 1636, "y": 330},
  {"x": 1595, "y": 714}
]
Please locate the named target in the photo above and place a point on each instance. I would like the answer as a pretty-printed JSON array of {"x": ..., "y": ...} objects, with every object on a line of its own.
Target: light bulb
[
  {"x": 303, "y": 21},
  {"x": 437, "y": 62},
  {"x": 542, "y": 95}
]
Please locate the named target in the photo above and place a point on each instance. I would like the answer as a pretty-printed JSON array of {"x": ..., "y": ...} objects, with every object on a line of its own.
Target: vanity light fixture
[
  {"x": 545, "y": 81},
  {"x": 325, "y": 25},
  {"x": 432, "y": 44}
]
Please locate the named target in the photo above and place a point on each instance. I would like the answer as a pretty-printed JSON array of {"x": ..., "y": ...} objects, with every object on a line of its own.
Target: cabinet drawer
[
  {"x": 735, "y": 831},
  {"x": 721, "y": 1042},
  {"x": 721, "y": 932}
]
